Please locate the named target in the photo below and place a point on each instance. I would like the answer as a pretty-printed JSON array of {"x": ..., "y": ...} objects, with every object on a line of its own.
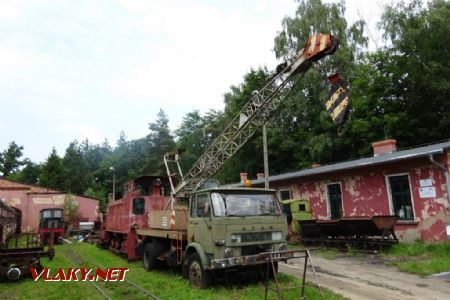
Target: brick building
[
  {"x": 412, "y": 184},
  {"x": 30, "y": 199}
]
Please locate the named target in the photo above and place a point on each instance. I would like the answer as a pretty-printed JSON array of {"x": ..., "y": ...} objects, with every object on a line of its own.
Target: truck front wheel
[{"x": 198, "y": 277}]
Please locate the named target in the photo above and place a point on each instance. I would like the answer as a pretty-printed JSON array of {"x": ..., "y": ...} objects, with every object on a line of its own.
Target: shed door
[{"x": 335, "y": 200}]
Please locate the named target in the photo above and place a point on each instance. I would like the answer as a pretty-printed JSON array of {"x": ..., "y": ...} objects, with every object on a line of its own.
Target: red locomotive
[
  {"x": 129, "y": 213},
  {"x": 51, "y": 220}
]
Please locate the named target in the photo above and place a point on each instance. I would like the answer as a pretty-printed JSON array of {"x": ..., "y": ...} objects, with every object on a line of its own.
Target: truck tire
[
  {"x": 198, "y": 277},
  {"x": 150, "y": 261}
]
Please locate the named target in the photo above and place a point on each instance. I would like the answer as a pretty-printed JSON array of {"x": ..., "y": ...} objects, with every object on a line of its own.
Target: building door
[
  {"x": 335, "y": 200},
  {"x": 286, "y": 195}
]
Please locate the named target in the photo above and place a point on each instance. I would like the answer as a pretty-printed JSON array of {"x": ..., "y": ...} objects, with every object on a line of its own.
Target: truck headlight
[
  {"x": 283, "y": 247},
  {"x": 276, "y": 235},
  {"x": 236, "y": 238},
  {"x": 229, "y": 252}
]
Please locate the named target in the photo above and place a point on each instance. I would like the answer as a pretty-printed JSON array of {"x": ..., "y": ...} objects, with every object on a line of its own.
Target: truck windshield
[{"x": 242, "y": 204}]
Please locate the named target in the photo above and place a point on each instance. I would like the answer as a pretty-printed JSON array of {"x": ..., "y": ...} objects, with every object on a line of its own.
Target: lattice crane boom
[{"x": 252, "y": 116}]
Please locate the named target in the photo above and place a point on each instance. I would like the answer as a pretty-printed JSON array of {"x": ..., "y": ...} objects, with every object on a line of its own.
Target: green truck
[{"x": 220, "y": 229}]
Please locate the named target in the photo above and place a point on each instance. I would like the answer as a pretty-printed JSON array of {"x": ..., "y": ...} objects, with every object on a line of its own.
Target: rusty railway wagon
[
  {"x": 371, "y": 232},
  {"x": 15, "y": 259},
  {"x": 10, "y": 219}
]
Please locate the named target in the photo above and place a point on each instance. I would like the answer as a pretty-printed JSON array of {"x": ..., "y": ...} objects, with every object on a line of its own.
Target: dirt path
[{"x": 366, "y": 278}]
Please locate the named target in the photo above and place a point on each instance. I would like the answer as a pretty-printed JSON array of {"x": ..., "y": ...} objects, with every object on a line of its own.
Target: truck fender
[{"x": 196, "y": 248}]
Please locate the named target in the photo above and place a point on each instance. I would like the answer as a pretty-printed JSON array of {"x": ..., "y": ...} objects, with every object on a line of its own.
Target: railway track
[{"x": 75, "y": 259}]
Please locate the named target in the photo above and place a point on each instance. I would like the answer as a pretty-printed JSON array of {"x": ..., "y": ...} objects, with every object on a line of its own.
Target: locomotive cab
[
  {"x": 129, "y": 213},
  {"x": 51, "y": 220}
]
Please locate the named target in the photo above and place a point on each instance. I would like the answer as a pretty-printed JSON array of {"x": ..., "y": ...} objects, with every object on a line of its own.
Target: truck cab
[{"x": 229, "y": 228}]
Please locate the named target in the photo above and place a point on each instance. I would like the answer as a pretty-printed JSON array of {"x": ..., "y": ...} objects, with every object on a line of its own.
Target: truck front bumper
[{"x": 239, "y": 261}]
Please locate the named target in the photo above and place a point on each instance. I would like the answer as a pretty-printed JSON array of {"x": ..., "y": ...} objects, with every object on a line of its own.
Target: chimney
[
  {"x": 259, "y": 175},
  {"x": 315, "y": 166},
  {"x": 384, "y": 147},
  {"x": 243, "y": 177}
]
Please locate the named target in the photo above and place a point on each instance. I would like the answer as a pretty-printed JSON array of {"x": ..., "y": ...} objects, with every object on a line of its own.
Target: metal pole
[
  {"x": 266, "y": 160},
  {"x": 114, "y": 183},
  {"x": 114, "y": 186}
]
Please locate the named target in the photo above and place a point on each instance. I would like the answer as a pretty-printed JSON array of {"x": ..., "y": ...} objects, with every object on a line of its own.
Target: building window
[
  {"x": 286, "y": 195},
  {"x": 401, "y": 197},
  {"x": 335, "y": 200},
  {"x": 138, "y": 206}
]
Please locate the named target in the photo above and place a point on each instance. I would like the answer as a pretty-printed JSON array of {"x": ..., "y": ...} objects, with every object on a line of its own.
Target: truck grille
[{"x": 256, "y": 236}]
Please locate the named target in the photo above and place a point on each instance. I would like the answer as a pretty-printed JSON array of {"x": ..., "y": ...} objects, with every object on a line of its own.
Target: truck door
[{"x": 200, "y": 221}]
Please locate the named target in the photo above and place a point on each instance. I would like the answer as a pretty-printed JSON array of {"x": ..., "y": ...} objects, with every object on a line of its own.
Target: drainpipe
[{"x": 445, "y": 171}]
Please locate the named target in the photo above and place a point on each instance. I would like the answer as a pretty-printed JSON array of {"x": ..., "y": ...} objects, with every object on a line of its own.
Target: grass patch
[
  {"x": 20, "y": 240},
  {"x": 328, "y": 253},
  {"x": 420, "y": 258},
  {"x": 166, "y": 284}
]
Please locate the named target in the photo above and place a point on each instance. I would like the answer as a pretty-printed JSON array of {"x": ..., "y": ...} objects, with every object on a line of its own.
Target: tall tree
[
  {"x": 302, "y": 118},
  {"x": 195, "y": 134},
  {"x": 51, "y": 175},
  {"x": 29, "y": 174},
  {"x": 10, "y": 159},
  {"x": 75, "y": 170},
  {"x": 160, "y": 141}
]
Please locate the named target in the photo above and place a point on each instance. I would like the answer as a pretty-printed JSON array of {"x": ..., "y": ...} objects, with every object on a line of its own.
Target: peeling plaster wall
[
  {"x": 31, "y": 204},
  {"x": 365, "y": 193}
]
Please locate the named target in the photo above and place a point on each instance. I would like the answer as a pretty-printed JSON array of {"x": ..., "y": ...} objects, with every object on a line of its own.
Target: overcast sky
[{"x": 90, "y": 68}]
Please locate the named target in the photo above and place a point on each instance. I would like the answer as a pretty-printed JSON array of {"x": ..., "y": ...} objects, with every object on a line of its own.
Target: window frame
[
  {"x": 391, "y": 201},
  {"x": 132, "y": 206},
  {"x": 328, "y": 199},
  {"x": 285, "y": 190},
  {"x": 194, "y": 205}
]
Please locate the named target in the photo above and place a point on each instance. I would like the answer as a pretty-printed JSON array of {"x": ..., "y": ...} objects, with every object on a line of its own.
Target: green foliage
[
  {"x": 51, "y": 175},
  {"x": 29, "y": 174},
  {"x": 75, "y": 168},
  {"x": 10, "y": 159},
  {"x": 70, "y": 206},
  {"x": 420, "y": 258},
  {"x": 159, "y": 141},
  {"x": 195, "y": 134}
]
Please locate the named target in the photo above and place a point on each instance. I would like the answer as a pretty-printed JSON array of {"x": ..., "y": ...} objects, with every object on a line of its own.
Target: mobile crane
[{"x": 208, "y": 229}]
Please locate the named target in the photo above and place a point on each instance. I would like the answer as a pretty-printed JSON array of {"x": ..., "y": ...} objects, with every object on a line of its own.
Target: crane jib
[{"x": 254, "y": 114}]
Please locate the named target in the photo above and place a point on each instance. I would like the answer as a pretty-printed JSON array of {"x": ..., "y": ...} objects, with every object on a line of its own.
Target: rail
[{"x": 76, "y": 259}]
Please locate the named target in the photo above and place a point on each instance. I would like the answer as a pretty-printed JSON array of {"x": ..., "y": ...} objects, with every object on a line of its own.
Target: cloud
[
  {"x": 82, "y": 131},
  {"x": 11, "y": 11}
]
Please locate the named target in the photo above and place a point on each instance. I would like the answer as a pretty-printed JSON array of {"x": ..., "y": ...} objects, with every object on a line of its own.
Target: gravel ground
[{"x": 365, "y": 277}]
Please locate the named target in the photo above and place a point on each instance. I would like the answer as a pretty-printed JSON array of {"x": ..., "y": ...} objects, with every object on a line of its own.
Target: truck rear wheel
[
  {"x": 150, "y": 261},
  {"x": 198, "y": 277}
]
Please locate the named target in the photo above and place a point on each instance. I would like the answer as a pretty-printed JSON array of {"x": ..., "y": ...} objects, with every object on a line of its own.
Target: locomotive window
[
  {"x": 57, "y": 214},
  {"x": 138, "y": 206},
  {"x": 47, "y": 214},
  {"x": 301, "y": 207}
]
